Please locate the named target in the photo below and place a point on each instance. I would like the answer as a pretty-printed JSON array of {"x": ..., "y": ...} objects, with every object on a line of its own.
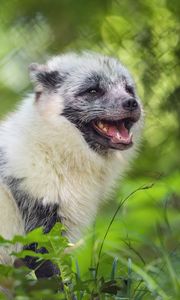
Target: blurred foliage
[{"x": 142, "y": 245}]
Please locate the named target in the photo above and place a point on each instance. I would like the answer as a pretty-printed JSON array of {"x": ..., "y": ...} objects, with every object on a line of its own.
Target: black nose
[{"x": 130, "y": 104}]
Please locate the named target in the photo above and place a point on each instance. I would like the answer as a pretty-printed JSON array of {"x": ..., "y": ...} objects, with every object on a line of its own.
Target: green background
[{"x": 144, "y": 35}]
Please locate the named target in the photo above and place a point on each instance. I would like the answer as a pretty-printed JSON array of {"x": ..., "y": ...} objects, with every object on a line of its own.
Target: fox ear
[{"x": 44, "y": 78}]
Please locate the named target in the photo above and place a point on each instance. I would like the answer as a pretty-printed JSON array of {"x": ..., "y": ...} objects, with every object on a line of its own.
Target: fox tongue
[
  {"x": 119, "y": 134},
  {"x": 123, "y": 131}
]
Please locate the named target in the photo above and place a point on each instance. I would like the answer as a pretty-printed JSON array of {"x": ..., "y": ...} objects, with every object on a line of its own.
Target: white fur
[{"x": 57, "y": 164}]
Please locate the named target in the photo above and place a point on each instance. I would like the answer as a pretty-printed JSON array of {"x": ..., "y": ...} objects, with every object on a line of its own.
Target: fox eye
[{"x": 94, "y": 91}]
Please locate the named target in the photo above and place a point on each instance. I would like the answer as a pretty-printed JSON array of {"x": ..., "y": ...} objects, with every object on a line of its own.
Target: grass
[{"x": 132, "y": 253}]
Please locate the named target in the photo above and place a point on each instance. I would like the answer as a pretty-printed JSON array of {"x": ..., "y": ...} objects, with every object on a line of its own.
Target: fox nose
[{"x": 130, "y": 104}]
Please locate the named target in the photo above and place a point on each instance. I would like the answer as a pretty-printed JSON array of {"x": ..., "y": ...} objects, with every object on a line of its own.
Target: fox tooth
[
  {"x": 100, "y": 125},
  {"x": 105, "y": 129}
]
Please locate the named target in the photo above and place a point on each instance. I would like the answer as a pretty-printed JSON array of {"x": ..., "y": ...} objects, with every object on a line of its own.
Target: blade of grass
[
  {"x": 114, "y": 268},
  {"x": 143, "y": 187},
  {"x": 129, "y": 277}
]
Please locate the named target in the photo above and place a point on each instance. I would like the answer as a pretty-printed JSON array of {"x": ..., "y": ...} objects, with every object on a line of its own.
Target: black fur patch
[
  {"x": 88, "y": 132},
  {"x": 34, "y": 213},
  {"x": 50, "y": 80},
  {"x": 43, "y": 269}
]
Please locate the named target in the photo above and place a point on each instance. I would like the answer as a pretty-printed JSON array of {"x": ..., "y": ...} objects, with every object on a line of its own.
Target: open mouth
[{"x": 117, "y": 132}]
